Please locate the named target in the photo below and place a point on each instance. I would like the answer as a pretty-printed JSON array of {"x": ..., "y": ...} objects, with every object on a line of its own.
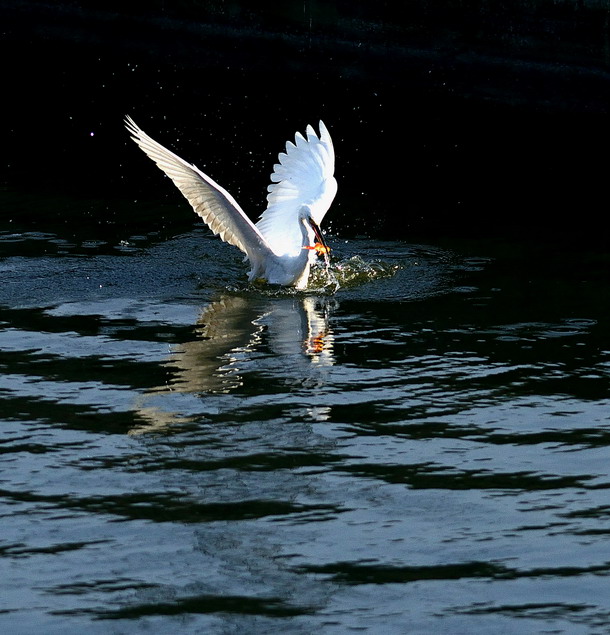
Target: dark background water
[
  {"x": 425, "y": 450},
  {"x": 460, "y": 117}
]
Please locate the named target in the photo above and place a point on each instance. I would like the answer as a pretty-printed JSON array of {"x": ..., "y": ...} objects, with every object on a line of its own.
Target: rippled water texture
[{"x": 425, "y": 450}]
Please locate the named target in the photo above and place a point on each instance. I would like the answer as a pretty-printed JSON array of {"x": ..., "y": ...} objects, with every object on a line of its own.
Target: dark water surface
[{"x": 425, "y": 450}]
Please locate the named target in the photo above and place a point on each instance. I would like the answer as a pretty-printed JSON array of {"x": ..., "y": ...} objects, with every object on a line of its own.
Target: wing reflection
[{"x": 242, "y": 339}]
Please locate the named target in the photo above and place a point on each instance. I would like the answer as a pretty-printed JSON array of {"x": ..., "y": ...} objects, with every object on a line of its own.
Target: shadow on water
[{"x": 239, "y": 333}]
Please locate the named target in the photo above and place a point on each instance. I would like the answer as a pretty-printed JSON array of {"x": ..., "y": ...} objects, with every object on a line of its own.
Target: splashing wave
[{"x": 351, "y": 272}]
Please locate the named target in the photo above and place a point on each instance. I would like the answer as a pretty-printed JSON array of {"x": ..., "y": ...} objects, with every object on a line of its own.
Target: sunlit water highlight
[{"x": 425, "y": 450}]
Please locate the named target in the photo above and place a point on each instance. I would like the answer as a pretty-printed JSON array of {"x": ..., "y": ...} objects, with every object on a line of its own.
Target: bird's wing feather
[
  {"x": 303, "y": 177},
  {"x": 218, "y": 209}
]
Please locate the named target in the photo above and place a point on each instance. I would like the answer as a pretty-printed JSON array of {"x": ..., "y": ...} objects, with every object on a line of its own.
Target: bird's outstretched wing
[
  {"x": 303, "y": 177},
  {"x": 218, "y": 209}
]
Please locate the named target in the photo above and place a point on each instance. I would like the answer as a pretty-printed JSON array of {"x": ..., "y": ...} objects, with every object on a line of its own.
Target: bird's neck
[{"x": 307, "y": 234}]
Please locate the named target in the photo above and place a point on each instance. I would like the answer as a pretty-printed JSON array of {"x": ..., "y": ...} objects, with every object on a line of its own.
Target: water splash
[
  {"x": 344, "y": 274},
  {"x": 352, "y": 272}
]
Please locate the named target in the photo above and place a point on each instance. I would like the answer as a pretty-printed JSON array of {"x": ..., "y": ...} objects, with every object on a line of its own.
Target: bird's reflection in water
[{"x": 284, "y": 340}]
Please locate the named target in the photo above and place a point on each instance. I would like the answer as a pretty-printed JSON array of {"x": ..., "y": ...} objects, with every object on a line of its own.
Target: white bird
[{"x": 284, "y": 243}]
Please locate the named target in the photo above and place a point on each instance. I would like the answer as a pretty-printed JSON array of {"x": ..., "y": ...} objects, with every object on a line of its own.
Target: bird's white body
[{"x": 280, "y": 246}]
